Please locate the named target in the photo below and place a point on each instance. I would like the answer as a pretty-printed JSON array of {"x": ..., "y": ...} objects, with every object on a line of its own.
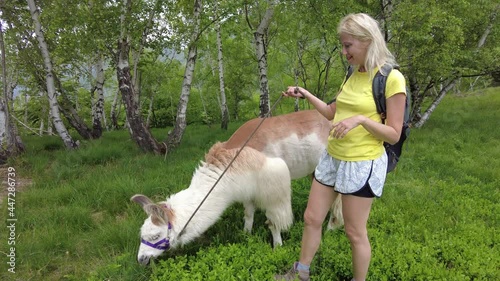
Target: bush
[{"x": 438, "y": 218}]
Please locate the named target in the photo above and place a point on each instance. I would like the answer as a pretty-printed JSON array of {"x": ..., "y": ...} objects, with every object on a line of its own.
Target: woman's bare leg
[
  {"x": 356, "y": 211},
  {"x": 320, "y": 200}
]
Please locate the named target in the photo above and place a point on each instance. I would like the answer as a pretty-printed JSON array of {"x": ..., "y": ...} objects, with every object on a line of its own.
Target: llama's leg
[
  {"x": 336, "y": 217},
  {"x": 279, "y": 218},
  {"x": 275, "y": 197},
  {"x": 276, "y": 232},
  {"x": 249, "y": 213}
]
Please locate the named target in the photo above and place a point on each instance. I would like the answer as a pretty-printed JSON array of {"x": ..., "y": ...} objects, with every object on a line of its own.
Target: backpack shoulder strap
[
  {"x": 350, "y": 71},
  {"x": 378, "y": 88}
]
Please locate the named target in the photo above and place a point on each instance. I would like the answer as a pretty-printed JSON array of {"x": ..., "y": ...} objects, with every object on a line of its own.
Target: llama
[
  {"x": 299, "y": 138},
  {"x": 253, "y": 179}
]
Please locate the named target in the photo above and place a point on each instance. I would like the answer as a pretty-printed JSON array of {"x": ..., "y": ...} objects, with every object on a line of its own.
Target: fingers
[
  {"x": 339, "y": 130},
  {"x": 286, "y": 93},
  {"x": 295, "y": 92}
]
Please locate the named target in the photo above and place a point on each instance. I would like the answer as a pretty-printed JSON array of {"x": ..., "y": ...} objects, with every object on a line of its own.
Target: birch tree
[
  {"x": 175, "y": 136},
  {"x": 387, "y": 7},
  {"x": 137, "y": 53},
  {"x": 138, "y": 130},
  {"x": 51, "y": 89},
  {"x": 220, "y": 62},
  {"x": 98, "y": 107},
  {"x": 454, "y": 80},
  {"x": 72, "y": 42},
  {"x": 10, "y": 141},
  {"x": 444, "y": 49},
  {"x": 115, "y": 110},
  {"x": 70, "y": 111},
  {"x": 260, "y": 41}
]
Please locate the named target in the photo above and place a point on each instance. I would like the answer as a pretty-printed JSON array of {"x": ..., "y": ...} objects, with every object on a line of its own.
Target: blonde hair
[{"x": 366, "y": 29}]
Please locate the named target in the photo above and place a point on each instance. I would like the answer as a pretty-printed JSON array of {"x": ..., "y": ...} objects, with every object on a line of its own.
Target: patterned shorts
[{"x": 348, "y": 177}]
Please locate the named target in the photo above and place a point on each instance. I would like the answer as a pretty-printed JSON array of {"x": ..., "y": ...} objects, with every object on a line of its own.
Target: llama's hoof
[{"x": 278, "y": 243}]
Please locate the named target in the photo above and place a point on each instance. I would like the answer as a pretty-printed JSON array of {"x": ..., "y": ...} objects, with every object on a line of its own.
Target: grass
[{"x": 438, "y": 218}]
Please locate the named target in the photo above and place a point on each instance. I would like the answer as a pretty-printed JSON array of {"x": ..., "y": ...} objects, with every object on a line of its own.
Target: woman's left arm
[{"x": 391, "y": 131}]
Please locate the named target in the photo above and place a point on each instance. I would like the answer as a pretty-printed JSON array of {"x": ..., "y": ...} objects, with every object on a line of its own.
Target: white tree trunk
[
  {"x": 26, "y": 100},
  {"x": 387, "y": 8},
  {"x": 5, "y": 138},
  {"x": 10, "y": 142},
  {"x": 104, "y": 119},
  {"x": 49, "y": 125},
  {"x": 115, "y": 111},
  {"x": 261, "y": 52},
  {"x": 41, "y": 129},
  {"x": 223, "y": 102},
  {"x": 488, "y": 29},
  {"x": 174, "y": 138},
  {"x": 4, "y": 128},
  {"x": 98, "y": 110},
  {"x": 51, "y": 90},
  {"x": 150, "y": 110},
  {"x": 435, "y": 103}
]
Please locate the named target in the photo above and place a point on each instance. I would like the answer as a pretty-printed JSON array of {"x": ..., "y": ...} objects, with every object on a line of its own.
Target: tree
[
  {"x": 437, "y": 44},
  {"x": 138, "y": 131},
  {"x": 223, "y": 106},
  {"x": 314, "y": 44},
  {"x": 451, "y": 82},
  {"x": 10, "y": 141},
  {"x": 51, "y": 89},
  {"x": 98, "y": 106},
  {"x": 64, "y": 38},
  {"x": 261, "y": 45},
  {"x": 174, "y": 137}
]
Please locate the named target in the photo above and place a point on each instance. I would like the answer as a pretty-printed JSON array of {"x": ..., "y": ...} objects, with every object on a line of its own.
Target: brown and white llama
[
  {"x": 299, "y": 138},
  {"x": 253, "y": 179},
  {"x": 296, "y": 138}
]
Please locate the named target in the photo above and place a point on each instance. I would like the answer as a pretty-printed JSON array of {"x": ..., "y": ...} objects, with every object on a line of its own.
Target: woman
[{"x": 354, "y": 163}]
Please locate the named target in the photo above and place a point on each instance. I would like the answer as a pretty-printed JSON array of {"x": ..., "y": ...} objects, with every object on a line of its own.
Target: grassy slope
[{"x": 437, "y": 220}]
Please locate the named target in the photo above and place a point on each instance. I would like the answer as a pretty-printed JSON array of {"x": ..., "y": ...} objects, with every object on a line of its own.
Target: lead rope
[{"x": 229, "y": 165}]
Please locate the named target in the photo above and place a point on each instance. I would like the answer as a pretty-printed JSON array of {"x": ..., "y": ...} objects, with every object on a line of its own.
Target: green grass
[{"x": 438, "y": 218}]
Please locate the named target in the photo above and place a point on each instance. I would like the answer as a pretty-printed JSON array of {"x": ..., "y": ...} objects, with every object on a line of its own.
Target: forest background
[{"x": 81, "y": 70}]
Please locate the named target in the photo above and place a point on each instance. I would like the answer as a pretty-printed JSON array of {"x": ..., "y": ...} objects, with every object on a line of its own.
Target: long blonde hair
[{"x": 364, "y": 28}]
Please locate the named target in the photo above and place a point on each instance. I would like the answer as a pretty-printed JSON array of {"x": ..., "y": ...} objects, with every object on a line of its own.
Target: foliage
[
  {"x": 437, "y": 219},
  {"x": 434, "y": 42}
]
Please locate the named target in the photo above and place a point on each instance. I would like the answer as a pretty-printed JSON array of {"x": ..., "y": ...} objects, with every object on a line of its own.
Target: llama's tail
[{"x": 336, "y": 217}]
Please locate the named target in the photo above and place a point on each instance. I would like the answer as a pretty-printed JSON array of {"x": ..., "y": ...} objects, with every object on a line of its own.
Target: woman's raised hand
[{"x": 295, "y": 91}]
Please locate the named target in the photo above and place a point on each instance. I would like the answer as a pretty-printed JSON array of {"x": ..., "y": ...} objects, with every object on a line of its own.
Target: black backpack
[{"x": 379, "y": 81}]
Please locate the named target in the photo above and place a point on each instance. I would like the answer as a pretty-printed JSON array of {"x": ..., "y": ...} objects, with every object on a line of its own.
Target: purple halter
[{"x": 163, "y": 244}]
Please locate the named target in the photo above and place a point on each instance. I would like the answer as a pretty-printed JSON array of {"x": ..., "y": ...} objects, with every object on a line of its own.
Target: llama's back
[
  {"x": 248, "y": 161},
  {"x": 299, "y": 138},
  {"x": 252, "y": 176}
]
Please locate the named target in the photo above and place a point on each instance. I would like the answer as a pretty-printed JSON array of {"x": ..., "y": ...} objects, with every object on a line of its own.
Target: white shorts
[{"x": 348, "y": 177}]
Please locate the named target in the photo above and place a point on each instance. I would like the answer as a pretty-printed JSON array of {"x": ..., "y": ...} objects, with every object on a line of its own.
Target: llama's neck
[{"x": 184, "y": 204}]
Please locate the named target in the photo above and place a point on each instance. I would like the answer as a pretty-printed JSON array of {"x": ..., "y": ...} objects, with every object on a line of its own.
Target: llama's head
[{"x": 155, "y": 231}]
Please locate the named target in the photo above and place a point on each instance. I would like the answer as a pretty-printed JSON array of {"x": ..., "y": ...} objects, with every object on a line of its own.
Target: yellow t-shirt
[{"x": 356, "y": 98}]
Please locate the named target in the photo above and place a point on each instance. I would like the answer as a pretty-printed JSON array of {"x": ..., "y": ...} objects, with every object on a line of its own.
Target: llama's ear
[{"x": 142, "y": 200}]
